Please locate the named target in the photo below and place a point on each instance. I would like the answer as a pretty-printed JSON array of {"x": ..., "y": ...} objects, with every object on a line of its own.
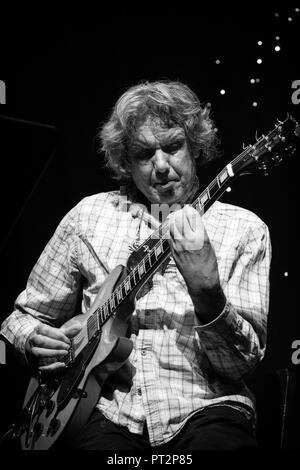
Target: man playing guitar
[{"x": 197, "y": 321}]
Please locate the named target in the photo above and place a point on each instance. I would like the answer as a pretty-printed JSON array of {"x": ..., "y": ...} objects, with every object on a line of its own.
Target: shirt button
[
  {"x": 144, "y": 352},
  {"x": 139, "y": 391}
]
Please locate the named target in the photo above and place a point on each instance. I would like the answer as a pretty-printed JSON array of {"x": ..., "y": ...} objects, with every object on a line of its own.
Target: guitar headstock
[{"x": 272, "y": 149}]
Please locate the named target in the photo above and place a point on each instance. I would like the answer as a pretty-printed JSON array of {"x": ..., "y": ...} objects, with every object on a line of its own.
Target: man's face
[{"x": 161, "y": 165}]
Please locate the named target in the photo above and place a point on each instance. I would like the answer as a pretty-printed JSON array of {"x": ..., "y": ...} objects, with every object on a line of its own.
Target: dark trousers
[{"x": 215, "y": 428}]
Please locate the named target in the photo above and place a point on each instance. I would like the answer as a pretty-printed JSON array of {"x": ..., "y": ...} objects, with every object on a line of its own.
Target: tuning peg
[
  {"x": 277, "y": 160},
  {"x": 264, "y": 169},
  {"x": 290, "y": 150}
]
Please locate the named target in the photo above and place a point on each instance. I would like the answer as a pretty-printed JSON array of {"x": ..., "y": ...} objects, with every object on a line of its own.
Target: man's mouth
[{"x": 165, "y": 185}]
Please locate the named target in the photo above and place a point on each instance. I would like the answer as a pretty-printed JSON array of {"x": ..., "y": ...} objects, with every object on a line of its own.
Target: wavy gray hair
[{"x": 169, "y": 103}]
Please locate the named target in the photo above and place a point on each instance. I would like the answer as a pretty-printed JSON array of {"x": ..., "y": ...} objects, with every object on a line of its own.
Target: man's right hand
[{"x": 47, "y": 346}]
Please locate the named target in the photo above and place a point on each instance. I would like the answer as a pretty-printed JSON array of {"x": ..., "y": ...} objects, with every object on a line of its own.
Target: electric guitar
[{"x": 56, "y": 407}]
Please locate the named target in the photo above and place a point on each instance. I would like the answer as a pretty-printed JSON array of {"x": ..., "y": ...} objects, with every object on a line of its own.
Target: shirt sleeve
[
  {"x": 232, "y": 344},
  {"x": 52, "y": 288}
]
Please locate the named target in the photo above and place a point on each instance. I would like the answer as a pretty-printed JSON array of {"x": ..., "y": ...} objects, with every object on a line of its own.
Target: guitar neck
[
  {"x": 149, "y": 256},
  {"x": 155, "y": 250}
]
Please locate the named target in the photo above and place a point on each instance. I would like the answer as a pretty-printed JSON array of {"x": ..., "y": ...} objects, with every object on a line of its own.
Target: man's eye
[
  {"x": 172, "y": 148},
  {"x": 144, "y": 154}
]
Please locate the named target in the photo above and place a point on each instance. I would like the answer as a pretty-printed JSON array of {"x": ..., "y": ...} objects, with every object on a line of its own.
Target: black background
[{"x": 64, "y": 73}]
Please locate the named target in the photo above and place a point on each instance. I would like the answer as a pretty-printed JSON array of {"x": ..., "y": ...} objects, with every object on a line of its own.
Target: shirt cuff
[
  {"x": 26, "y": 332},
  {"x": 18, "y": 338}
]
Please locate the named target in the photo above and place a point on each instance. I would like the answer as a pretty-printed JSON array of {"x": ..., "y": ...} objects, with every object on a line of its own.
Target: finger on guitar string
[
  {"x": 72, "y": 329},
  {"x": 53, "y": 367},
  {"x": 52, "y": 332},
  {"x": 48, "y": 353},
  {"x": 41, "y": 341}
]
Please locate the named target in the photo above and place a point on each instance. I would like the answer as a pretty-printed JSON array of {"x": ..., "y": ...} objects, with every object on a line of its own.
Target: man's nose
[{"x": 161, "y": 161}]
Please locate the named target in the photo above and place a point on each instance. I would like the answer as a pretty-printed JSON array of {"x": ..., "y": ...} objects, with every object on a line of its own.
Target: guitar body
[{"x": 58, "y": 407}]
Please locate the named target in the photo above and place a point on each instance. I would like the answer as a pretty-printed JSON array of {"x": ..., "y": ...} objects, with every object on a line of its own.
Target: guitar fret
[
  {"x": 223, "y": 176},
  {"x": 101, "y": 315},
  {"x": 97, "y": 319},
  {"x": 204, "y": 198},
  {"x": 106, "y": 311},
  {"x": 119, "y": 295},
  {"x": 136, "y": 276},
  {"x": 135, "y": 272},
  {"x": 158, "y": 251},
  {"x": 127, "y": 285},
  {"x": 147, "y": 264},
  {"x": 213, "y": 187},
  {"x": 164, "y": 244},
  {"x": 112, "y": 303},
  {"x": 116, "y": 301},
  {"x": 141, "y": 267},
  {"x": 123, "y": 289},
  {"x": 153, "y": 257},
  {"x": 229, "y": 170}
]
